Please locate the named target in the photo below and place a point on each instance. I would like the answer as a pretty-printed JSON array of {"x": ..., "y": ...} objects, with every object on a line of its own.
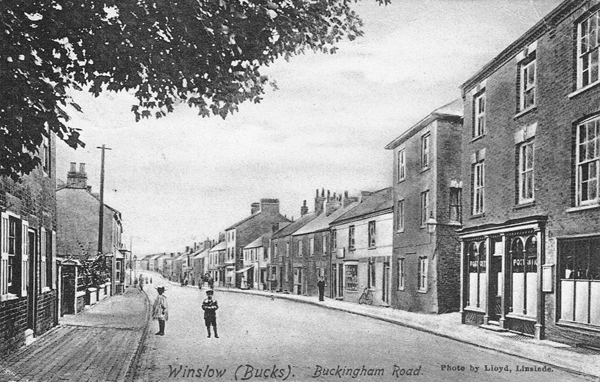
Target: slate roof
[
  {"x": 219, "y": 247},
  {"x": 453, "y": 110},
  {"x": 321, "y": 222},
  {"x": 377, "y": 202},
  {"x": 294, "y": 226}
]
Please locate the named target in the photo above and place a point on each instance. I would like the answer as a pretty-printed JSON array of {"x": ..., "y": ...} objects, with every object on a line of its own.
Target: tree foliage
[{"x": 206, "y": 53}]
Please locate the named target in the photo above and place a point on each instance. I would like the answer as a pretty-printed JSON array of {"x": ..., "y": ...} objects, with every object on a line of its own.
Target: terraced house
[
  {"x": 531, "y": 149},
  {"x": 28, "y": 288}
]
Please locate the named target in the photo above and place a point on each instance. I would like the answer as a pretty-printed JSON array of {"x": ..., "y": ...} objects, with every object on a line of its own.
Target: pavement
[
  {"x": 99, "y": 344},
  {"x": 104, "y": 342},
  {"x": 580, "y": 361}
]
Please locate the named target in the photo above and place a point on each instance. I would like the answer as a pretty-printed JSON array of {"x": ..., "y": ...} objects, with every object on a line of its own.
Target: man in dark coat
[
  {"x": 321, "y": 286},
  {"x": 210, "y": 306}
]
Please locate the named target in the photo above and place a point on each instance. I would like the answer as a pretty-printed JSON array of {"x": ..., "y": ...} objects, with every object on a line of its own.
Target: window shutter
[
  {"x": 53, "y": 260},
  {"x": 43, "y": 264},
  {"x": 4, "y": 256},
  {"x": 425, "y": 270},
  {"x": 24, "y": 257}
]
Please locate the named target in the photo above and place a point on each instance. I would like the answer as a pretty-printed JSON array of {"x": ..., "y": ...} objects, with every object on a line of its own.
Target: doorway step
[{"x": 493, "y": 326}]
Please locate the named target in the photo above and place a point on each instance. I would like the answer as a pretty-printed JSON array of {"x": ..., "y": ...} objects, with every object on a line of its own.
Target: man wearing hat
[
  {"x": 160, "y": 310},
  {"x": 210, "y": 307}
]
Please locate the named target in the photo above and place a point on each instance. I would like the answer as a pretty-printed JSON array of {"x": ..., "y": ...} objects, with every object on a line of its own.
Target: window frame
[
  {"x": 400, "y": 215},
  {"x": 478, "y": 188},
  {"x": 579, "y": 163},
  {"x": 524, "y": 85},
  {"x": 422, "y": 274},
  {"x": 401, "y": 273},
  {"x": 425, "y": 151},
  {"x": 479, "y": 115},
  {"x": 525, "y": 173},
  {"x": 311, "y": 246},
  {"x": 351, "y": 237},
  {"x": 372, "y": 234},
  {"x": 401, "y": 158},
  {"x": 424, "y": 208},
  {"x": 584, "y": 58}
]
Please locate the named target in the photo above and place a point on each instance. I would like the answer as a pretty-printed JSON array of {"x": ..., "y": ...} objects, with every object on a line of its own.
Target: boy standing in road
[
  {"x": 160, "y": 310},
  {"x": 210, "y": 307}
]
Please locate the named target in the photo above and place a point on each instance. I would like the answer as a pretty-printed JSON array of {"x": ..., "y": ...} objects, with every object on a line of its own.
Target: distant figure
[
  {"x": 160, "y": 310},
  {"x": 141, "y": 283},
  {"x": 150, "y": 280},
  {"x": 321, "y": 286},
  {"x": 211, "y": 283},
  {"x": 210, "y": 307}
]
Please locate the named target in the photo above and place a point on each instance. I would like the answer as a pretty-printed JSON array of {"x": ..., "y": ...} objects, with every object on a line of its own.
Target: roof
[
  {"x": 259, "y": 242},
  {"x": 219, "y": 247},
  {"x": 294, "y": 226},
  {"x": 543, "y": 26},
  {"x": 201, "y": 254},
  {"x": 321, "y": 222},
  {"x": 453, "y": 109},
  {"x": 379, "y": 201}
]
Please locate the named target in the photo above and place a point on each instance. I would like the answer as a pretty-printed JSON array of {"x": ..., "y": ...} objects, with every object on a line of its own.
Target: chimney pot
[
  {"x": 82, "y": 168},
  {"x": 73, "y": 167}
]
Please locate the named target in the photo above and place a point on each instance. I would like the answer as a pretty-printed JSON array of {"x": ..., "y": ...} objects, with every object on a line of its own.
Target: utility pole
[
  {"x": 101, "y": 210},
  {"x": 101, "y": 225}
]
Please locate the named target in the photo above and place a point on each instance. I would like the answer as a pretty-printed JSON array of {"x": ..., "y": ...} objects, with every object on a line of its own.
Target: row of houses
[
  {"x": 492, "y": 211},
  {"x": 48, "y": 233}
]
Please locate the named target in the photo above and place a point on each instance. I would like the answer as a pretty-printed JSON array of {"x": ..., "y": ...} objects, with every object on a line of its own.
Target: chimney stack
[
  {"x": 320, "y": 201},
  {"x": 346, "y": 201},
  {"x": 303, "y": 209},
  {"x": 268, "y": 205},
  {"x": 254, "y": 208},
  {"x": 77, "y": 179}
]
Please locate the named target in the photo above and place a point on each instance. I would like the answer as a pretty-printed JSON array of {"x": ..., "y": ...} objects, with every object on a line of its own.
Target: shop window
[
  {"x": 351, "y": 277},
  {"x": 523, "y": 276},
  {"x": 579, "y": 275},
  {"x": 477, "y": 282}
]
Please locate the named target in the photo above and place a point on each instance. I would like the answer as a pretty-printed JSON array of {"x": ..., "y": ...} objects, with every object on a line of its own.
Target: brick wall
[{"x": 557, "y": 113}]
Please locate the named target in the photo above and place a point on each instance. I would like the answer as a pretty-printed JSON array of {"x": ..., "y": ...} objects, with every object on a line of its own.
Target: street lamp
[{"x": 431, "y": 224}]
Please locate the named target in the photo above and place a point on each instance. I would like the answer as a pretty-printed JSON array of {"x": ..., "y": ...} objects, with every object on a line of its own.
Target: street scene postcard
[{"x": 299, "y": 190}]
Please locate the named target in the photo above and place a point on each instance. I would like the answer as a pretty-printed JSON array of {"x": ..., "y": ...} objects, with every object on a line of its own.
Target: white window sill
[
  {"x": 422, "y": 291},
  {"x": 583, "y": 208},
  {"x": 401, "y": 289},
  {"x": 9, "y": 297},
  {"x": 583, "y": 89},
  {"x": 525, "y": 111},
  {"x": 516, "y": 316},
  {"x": 400, "y": 230},
  {"x": 477, "y": 138},
  {"x": 46, "y": 289}
]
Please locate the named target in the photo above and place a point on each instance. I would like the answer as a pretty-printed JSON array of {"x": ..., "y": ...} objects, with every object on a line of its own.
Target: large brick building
[
  {"x": 28, "y": 288},
  {"x": 531, "y": 236},
  {"x": 264, "y": 218},
  {"x": 427, "y": 189}
]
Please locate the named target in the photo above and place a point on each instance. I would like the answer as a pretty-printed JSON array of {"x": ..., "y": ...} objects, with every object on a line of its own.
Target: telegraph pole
[{"x": 101, "y": 210}]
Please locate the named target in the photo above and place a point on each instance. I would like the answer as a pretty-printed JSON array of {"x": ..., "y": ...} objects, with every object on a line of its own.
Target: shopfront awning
[{"x": 244, "y": 270}]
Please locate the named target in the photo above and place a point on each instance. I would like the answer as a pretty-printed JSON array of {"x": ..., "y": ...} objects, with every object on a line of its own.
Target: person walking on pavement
[
  {"x": 321, "y": 286},
  {"x": 160, "y": 310},
  {"x": 210, "y": 306}
]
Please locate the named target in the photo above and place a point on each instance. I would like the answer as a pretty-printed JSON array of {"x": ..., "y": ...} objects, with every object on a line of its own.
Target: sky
[{"x": 184, "y": 178}]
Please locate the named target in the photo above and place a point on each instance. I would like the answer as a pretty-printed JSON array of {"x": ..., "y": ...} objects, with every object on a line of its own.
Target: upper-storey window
[
  {"x": 425, "y": 149},
  {"x": 479, "y": 115},
  {"x": 588, "y": 161},
  {"x": 527, "y": 84},
  {"x": 401, "y": 165},
  {"x": 526, "y": 180},
  {"x": 587, "y": 51},
  {"x": 478, "y": 184}
]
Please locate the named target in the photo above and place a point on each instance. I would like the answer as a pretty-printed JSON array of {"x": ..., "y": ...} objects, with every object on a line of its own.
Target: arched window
[{"x": 523, "y": 277}]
